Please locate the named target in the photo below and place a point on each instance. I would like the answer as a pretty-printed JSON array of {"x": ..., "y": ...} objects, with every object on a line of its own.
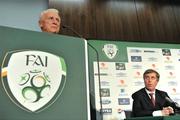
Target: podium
[
  {"x": 43, "y": 76},
  {"x": 175, "y": 117}
]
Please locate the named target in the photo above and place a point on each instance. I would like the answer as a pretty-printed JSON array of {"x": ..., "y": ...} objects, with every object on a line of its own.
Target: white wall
[{"x": 22, "y": 14}]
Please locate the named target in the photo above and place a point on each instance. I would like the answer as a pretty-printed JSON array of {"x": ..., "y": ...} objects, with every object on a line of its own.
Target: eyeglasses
[{"x": 150, "y": 78}]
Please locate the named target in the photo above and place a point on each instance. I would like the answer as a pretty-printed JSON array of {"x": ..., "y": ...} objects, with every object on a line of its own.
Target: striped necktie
[{"x": 152, "y": 98}]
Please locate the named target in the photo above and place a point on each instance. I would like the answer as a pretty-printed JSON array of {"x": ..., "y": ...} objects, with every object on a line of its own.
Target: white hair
[{"x": 48, "y": 10}]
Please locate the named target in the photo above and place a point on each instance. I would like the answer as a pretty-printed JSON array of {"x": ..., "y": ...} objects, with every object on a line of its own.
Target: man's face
[
  {"x": 50, "y": 22},
  {"x": 150, "y": 81}
]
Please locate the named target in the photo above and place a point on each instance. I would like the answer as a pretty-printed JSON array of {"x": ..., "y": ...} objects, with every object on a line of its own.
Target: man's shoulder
[
  {"x": 160, "y": 91},
  {"x": 139, "y": 92}
]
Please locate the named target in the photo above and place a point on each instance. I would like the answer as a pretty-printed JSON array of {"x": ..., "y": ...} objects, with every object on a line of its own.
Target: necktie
[{"x": 152, "y": 98}]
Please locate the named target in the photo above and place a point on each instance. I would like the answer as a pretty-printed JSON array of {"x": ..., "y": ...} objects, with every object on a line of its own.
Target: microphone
[
  {"x": 174, "y": 104},
  {"x": 71, "y": 29}
]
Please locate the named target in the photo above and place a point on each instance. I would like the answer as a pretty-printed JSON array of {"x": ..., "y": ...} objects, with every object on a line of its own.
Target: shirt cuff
[{"x": 157, "y": 113}]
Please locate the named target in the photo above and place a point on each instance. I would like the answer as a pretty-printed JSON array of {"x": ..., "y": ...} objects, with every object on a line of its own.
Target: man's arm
[{"x": 138, "y": 110}]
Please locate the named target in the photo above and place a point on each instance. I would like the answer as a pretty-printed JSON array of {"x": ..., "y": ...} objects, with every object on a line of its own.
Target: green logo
[{"x": 33, "y": 80}]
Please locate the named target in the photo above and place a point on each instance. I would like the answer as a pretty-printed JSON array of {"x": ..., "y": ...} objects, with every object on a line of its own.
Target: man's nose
[{"x": 55, "y": 21}]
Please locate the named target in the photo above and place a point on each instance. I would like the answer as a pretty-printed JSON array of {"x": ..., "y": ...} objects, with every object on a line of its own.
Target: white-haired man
[{"x": 50, "y": 21}]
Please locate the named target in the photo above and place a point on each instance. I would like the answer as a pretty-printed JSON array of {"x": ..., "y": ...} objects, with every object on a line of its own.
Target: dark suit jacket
[{"x": 142, "y": 105}]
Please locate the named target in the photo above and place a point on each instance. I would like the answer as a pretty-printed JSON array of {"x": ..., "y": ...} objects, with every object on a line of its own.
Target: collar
[{"x": 147, "y": 91}]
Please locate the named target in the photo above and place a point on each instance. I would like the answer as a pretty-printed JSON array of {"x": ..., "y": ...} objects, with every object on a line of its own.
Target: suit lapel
[
  {"x": 146, "y": 97},
  {"x": 158, "y": 97}
]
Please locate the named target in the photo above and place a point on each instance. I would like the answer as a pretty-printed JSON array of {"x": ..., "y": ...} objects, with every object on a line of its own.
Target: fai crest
[
  {"x": 110, "y": 50},
  {"x": 33, "y": 79}
]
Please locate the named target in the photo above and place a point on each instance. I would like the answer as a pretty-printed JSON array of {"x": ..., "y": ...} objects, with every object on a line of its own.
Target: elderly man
[
  {"x": 150, "y": 101},
  {"x": 50, "y": 21}
]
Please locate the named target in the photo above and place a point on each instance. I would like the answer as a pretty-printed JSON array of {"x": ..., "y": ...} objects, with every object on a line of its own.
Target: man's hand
[{"x": 166, "y": 111}]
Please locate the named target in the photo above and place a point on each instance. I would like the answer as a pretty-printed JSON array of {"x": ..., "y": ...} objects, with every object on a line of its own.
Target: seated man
[
  {"x": 150, "y": 101},
  {"x": 50, "y": 21}
]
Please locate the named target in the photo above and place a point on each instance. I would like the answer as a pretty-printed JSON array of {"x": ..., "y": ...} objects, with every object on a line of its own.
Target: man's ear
[{"x": 40, "y": 24}]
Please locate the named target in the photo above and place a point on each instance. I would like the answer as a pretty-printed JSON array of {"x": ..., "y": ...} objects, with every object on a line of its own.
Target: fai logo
[
  {"x": 33, "y": 79},
  {"x": 110, "y": 50}
]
